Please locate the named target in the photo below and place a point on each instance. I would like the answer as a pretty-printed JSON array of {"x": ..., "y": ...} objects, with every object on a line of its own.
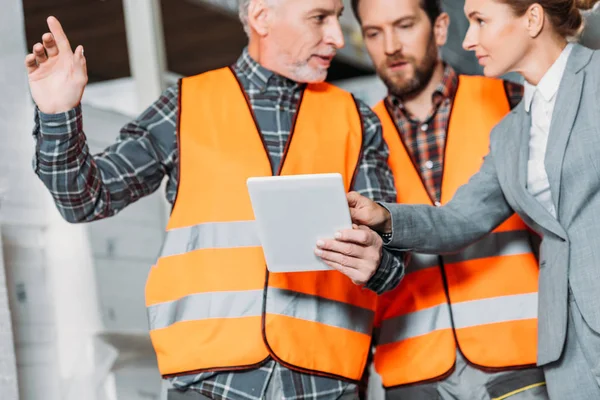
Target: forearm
[
  {"x": 429, "y": 229},
  {"x": 87, "y": 187},
  {"x": 65, "y": 166},
  {"x": 476, "y": 209}
]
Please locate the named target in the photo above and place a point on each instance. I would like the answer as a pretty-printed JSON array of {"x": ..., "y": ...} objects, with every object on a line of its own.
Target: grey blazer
[{"x": 570, "y": 249}]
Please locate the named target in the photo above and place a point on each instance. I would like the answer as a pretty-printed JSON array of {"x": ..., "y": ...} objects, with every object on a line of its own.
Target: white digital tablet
[{"x": 292, "y": 213}]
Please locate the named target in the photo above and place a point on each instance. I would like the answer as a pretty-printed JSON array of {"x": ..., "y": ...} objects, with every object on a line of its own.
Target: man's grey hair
[
  {"x": 243, "y": 13},
  {"x": 243, "y": 6}
]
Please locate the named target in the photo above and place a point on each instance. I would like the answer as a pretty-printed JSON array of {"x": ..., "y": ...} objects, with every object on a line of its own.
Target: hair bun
[{"x": 586, "y": 4}]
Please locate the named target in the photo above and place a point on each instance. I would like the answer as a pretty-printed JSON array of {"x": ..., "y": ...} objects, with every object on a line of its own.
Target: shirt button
[
  {"x": 437, "y": 204},
  {"x": 429, "y": 164},
  {"x": 424, "y": 127}
]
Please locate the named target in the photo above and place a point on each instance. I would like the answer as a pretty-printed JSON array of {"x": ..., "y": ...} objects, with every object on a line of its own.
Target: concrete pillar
[
  {"x": 8, "y": 368},
  {"x": 15, "y": 113},
  {"x": 49, "y": 270},
  {"x": 146, "y": 48}
]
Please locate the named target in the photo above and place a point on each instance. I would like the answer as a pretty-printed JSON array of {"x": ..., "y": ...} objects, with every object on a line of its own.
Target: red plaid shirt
[{"x": 425, "y": 140}]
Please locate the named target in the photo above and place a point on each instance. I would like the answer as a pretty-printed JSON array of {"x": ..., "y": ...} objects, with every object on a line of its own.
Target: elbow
[{"x": 73, "y": 217}]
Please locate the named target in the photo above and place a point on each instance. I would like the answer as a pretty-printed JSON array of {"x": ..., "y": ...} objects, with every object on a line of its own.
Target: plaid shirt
[
  {"x": 87, "y": 188},
  {"x": 425, "y": 140}
]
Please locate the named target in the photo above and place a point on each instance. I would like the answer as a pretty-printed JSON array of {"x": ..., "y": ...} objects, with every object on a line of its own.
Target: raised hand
[
  {"x": 57, "y": 76},
  {"x": 365, "y": 211}
]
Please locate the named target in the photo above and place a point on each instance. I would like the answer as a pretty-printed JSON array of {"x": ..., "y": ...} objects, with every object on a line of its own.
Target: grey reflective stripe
[
  {"x": 206, "y": 306},
  {"x": 495, "y": 244},
  {"x": 319, "y": 309},
  {"x": 494, "y": 310},
  {"x": 210, "y": 236},
  {"x": 465, "y": 315},
  {"x": 249, "y": 303},
  {"x": 415, "y": 324}
]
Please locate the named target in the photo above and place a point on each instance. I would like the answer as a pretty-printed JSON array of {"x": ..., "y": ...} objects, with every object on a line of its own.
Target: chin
[
  {"x": 493, "y": 72},
  {"x": 311, "y": 75},
  {"x": 319, "y": 79}
]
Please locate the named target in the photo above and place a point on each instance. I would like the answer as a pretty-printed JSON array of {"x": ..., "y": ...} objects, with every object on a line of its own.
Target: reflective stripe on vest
[
  {"x": 466, "y": 315},
  {"x": 495, "y": 244},
  {"x": 492, "y": 284},
  {"x": 207, "y": 294},
  {"x": 210, "y": 235},
  {"x": 249, "y": 304}
]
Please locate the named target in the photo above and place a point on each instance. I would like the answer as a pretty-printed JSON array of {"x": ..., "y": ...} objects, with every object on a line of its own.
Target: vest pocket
[{"x": 528, "y": 384}]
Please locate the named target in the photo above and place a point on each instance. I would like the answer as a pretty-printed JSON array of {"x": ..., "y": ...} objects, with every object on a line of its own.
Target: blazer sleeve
[{"x": 476, "y": 209}]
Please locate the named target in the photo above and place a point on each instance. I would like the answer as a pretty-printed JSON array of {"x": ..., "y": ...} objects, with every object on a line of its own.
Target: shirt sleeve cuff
[
  {"x": 59, "y": 125},
  {"x": 387, "y": 238},
  {"x": 389, "y": 274}
]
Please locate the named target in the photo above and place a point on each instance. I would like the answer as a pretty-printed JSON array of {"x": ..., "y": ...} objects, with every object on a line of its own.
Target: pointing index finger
[{"x": 59, "y": 35}]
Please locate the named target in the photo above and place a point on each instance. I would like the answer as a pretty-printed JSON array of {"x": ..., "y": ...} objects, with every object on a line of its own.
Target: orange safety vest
[
  {"x": 484, "y": 298},
  {"x": 211, "y": 303}
]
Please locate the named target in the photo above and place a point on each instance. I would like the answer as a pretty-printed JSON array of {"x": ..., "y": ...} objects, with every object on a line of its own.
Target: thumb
[
  {"x": 79, "y": 54},
  {"x": 80, "y": 62},
  {"x": 353, "y": 199},
  {"x": 358, "y": 216}
]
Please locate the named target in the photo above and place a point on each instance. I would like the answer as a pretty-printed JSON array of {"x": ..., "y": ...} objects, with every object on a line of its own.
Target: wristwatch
[{"x": 386, "y": 236}]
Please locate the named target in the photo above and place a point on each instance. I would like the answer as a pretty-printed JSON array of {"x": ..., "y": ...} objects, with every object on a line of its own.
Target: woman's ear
[{"x": 536, "y": 18}]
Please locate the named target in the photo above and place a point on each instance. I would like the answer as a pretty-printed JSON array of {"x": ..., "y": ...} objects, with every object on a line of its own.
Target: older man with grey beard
[{"x": 221, "y": 325}]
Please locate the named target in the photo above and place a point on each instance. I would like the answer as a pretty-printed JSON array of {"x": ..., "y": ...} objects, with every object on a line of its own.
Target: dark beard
[{"x": 422, "y": 75}]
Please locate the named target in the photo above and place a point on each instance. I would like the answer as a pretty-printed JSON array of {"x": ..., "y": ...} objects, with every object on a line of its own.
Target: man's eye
[{"x": 319, "y": 18}]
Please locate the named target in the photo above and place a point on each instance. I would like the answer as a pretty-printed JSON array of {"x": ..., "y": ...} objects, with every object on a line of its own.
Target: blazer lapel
[
  {"x": 563, "y": 118},
  {"x": 530, "y": 205}
]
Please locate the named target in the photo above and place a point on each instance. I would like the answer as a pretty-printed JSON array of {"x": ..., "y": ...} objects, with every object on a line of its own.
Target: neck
[
  {"x": 254, "y": 49},
  {"x": 540, "y": 58},
  {"x": 420, "y": 104}
]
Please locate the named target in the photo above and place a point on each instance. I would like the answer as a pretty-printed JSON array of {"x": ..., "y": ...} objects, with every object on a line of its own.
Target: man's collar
[{"x": 259, "y": 76}]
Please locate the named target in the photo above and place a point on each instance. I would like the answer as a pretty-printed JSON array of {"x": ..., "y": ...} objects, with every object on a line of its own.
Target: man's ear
[
  {"x": 258, "y": 14},
  {"x": 440, "y": 29}
]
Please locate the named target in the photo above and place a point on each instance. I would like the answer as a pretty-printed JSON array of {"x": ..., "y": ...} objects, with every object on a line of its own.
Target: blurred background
[{"x": 72, "y": 314}]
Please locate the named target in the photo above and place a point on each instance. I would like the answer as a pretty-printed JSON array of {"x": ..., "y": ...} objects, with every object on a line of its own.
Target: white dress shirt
[{"x": 539, "y": 101}]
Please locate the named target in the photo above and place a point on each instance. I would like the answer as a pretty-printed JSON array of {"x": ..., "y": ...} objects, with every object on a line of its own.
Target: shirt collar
[
  {"x": 548, "y": 85},
  {"x": 446, "y": 89},
  {"x": 259, "y": 76}
]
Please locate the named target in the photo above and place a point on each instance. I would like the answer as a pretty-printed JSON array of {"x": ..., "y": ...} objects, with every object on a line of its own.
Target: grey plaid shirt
[{"x": 89, "y": 187}]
